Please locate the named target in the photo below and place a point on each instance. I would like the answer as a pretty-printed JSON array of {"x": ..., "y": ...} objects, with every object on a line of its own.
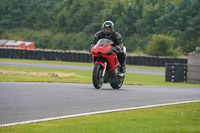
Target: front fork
[
  {"x": 104, "y": 70},
  {"x": 104, "y": 66}
]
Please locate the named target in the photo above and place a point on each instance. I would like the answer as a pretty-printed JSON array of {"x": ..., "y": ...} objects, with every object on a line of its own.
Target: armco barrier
[{"x": 84, "y": 57}]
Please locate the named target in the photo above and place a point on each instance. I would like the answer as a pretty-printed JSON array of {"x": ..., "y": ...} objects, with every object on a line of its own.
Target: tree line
[{"x": 171, "y": 27}]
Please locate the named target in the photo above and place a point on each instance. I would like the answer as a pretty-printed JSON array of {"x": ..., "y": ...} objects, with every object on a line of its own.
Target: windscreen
[{"x": 104, "y": 42}]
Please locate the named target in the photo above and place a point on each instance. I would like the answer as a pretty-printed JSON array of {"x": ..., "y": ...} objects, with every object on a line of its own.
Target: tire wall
[{"x": 84, "y": 57}]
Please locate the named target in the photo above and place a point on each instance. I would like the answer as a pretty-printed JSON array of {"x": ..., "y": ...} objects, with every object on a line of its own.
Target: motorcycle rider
[{"x": 109, "y": 33}]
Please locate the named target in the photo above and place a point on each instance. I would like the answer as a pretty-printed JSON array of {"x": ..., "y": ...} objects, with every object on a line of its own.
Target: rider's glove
[
  {"x": 91, "y": 46},
  {"x": 119, "y": 49}
]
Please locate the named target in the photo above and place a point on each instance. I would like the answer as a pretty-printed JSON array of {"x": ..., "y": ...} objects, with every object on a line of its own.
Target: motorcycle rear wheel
[
  {"x": 97, "y": 77},
  {"x": 118, "y": 83}
]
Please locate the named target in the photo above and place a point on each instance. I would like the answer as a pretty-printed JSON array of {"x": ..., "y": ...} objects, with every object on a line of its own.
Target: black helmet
[{"x": 108, "y": 25}]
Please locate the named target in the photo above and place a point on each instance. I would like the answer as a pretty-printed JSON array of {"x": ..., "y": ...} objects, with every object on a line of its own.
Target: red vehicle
[{"x": 107, "y": 67}]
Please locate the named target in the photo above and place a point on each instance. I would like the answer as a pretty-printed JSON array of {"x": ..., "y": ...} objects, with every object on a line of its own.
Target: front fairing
[
  {"x": 103, "y": 46},
  {"x": 104, "y": 49}
]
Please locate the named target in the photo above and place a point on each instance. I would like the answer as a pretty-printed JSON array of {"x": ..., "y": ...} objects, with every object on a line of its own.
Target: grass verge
[
  {"x": 23, "y": 74},
  {"x": 70, "y": 63},
  {"x": 181, "y": 118},
  {"x": 27, "y": 74}
]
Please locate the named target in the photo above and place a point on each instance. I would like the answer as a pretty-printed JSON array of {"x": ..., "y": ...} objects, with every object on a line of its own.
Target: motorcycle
[{"x": 106, "y": 65}]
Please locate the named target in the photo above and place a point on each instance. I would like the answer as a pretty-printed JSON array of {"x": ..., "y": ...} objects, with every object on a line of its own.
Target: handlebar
[{"x": 115, "y": 49}]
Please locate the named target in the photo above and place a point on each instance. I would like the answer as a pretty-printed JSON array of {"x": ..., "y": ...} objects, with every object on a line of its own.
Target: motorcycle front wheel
[
  {"x": 97, "y": 77},
  {"x": 118, "y": 84}
]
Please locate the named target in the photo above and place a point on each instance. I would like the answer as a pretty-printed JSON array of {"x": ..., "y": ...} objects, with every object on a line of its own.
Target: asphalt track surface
[
  {"x": 20, "y": 101},
  {"x": 77, "y": 67}
]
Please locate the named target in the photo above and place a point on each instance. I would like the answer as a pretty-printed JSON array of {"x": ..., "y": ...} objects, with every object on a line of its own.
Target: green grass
[
  {"x": 70, "y": 63},
  {"x": 83, "y": 77},
  {"x": 181, "y": 118}
]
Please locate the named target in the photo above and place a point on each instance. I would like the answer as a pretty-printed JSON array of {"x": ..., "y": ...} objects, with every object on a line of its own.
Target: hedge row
[{"x": 83, "y": 57}]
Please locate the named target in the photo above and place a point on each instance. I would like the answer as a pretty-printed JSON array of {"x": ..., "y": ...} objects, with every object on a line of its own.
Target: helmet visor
[{"x": 107, "y": 30}]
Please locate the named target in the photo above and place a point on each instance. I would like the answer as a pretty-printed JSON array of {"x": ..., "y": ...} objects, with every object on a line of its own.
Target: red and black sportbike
[{"x": 107, "y": 67}]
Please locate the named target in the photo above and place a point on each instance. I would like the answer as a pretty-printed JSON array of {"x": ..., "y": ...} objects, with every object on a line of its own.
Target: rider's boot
[
  {"x": 123, "y": 68},
  {"x": 122, "y": 60}
]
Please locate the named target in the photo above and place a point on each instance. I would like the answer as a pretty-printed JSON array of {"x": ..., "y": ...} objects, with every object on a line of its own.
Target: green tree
[
  {"x": 162, "y": 45},
  {"x": 13, "y": 13},
  {"x": 182, "y": 21},
  {"x": 65, "y": 24}
]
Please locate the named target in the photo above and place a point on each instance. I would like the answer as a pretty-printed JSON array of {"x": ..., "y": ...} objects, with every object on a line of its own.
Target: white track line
[{"x": 92, "y": 113}]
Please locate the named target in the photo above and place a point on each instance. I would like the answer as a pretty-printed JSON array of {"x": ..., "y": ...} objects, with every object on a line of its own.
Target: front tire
[{"x": 97, "y": 76}]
